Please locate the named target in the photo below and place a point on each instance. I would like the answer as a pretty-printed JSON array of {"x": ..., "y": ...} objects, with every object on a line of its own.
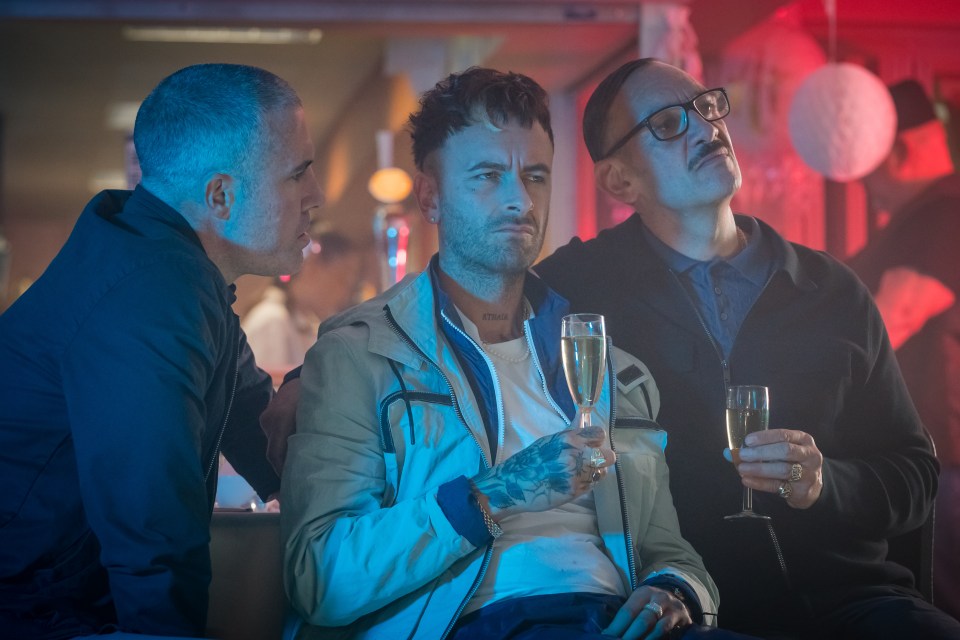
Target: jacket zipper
[
  {"x": 501, "y": 418},
  {"x": 726, "y": 383},
  {"x": 500, "y": 430},
  {"x": 628, "y": 537},
  {"x": 453, "y": 398},
  {"x": 696, "y": 312},
  {"x": 473, "y": 589},
  {"x": 226, "y": 417},
  {"x": 456, "y": 407},
  {"x": 543, "y": 378},
  {"x": 611, "y": 385}
]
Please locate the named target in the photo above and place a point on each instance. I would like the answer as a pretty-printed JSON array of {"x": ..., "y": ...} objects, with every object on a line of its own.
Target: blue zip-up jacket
[
  {"x": 398, "y": 408},
  {"x": 122, "y": 371}
]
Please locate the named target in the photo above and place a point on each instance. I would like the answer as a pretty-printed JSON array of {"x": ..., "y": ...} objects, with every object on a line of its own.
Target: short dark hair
[
  {"x": 597, "y": 112},
  {"x": 207, "y": 117},
  {"x": 454, "y": 102}
]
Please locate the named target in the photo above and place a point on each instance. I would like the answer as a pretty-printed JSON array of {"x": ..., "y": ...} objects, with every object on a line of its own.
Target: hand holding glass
[{"x": 748, "y": 410}]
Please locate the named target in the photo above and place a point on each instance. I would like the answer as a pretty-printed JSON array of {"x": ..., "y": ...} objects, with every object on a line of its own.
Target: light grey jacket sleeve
[
  {"x": 346, "y": 554},
  {"x": 661, "y": 549}
]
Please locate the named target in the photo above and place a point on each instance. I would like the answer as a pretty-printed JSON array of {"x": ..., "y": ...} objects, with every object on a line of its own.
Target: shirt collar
[{"x": 753, "y": 262}]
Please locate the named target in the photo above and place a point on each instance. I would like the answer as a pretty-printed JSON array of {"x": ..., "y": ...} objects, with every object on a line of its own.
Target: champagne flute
[
  {"x": 748, "y": 410},
  {"x": 583, "y": 346}
]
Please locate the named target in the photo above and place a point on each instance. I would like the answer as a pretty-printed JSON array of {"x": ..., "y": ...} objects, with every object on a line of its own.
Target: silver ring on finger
[
  {"x": 785, "y": 490},
  {"x": 596, "y": 457},
  {"x": 796, "y": 472},
  {"x": 595, "y": 477},
  {"x": 657, "y": 609}
]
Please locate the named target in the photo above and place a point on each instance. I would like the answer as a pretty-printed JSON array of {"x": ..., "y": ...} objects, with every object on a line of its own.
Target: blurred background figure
[
  {"x": 912, "y": 267},
  {"x": 283, "y": 324}
]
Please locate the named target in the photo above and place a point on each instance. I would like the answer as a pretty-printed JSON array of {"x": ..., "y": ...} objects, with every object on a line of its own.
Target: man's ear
[
  {"x": 426, "y": 193},
  {"x": 220, "y": 195},
  {"x": 614, "y": 177}
]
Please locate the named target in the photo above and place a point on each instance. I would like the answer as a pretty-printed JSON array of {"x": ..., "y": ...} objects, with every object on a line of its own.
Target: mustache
[
  {"x": 706, "y": 150},
  {"x": 524, "y": 219}
]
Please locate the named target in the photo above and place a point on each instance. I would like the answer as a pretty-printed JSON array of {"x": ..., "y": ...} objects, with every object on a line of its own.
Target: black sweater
[{"x": 815, "y": 338}]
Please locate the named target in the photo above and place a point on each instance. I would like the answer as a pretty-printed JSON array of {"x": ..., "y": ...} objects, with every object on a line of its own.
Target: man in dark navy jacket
[
  {"x": 124, "y": 372},
  {"x": 709, "y": 299}
]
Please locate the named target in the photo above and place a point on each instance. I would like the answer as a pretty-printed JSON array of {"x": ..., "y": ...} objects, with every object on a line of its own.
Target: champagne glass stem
[{"x": 748, "y": 499}]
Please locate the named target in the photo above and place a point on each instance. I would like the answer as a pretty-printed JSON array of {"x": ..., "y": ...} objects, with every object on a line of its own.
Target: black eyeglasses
[{"x": 671, "y": 122}]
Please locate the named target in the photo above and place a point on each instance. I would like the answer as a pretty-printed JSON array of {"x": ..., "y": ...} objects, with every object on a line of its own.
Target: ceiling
[
  {"x": 65, "y": 67},
  {"x": 62, "y": 76}
]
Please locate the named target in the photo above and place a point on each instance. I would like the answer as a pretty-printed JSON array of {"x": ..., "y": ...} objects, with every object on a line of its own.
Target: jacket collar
[
  {"x": 142, "y": 211},
  {"x": 543, "y": 328},
  {"x": 547, "y": 305},
  {"x": 645, "y": 258},
  {"x": 417, "y": 306}
]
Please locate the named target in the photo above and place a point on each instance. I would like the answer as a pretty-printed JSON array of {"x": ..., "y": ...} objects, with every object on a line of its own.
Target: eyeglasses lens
[
  {"x": 672, "y": 121},
  {"x": 669, "y": 122},
  {"x": 712, "y": 105}
]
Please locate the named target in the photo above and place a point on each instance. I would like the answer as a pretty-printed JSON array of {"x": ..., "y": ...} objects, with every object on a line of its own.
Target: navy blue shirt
[{"x": 723, "y": 290}]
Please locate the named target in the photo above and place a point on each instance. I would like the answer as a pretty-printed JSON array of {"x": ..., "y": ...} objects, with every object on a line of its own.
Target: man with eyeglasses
[{"x": 710, "y": 299}]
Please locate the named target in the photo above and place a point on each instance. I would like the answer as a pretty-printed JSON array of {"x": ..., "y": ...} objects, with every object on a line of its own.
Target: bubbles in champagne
[{"x": 583, "y": 364}]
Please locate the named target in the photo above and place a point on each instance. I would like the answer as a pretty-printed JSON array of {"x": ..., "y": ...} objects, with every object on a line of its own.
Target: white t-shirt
[{"x": 554, "y": 551}]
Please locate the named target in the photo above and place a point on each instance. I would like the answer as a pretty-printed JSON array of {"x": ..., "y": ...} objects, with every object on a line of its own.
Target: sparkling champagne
[
  {"x": 584, "y": 359},
  {"x": 748, "y": 410},
  {"x": 740, "y": 422}
]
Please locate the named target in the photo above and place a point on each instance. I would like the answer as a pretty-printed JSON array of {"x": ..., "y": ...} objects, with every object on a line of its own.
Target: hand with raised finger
[
  {"x": 649, "y": 613},
  {"x": 785, "y": 462},
  {"x": 548, "y": 473}
]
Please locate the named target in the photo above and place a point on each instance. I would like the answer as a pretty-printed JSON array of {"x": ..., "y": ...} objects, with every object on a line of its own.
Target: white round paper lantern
[{"x": 842, "y": 121}]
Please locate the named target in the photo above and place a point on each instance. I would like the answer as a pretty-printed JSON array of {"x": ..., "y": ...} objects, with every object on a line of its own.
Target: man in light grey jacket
[{"x": 435, "y": 487}]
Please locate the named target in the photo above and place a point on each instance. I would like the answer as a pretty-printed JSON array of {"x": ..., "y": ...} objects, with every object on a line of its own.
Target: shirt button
[
  {"x": 717, "y": 290},
  {"x": 723, "y": 316}
]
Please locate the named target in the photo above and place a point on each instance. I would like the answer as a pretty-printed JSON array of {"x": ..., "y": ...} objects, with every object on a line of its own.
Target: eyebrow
[
  {"x": 698, "y": 93},
  {"x": 542, "y": 168},
  {"x": 499, "y": 166}
]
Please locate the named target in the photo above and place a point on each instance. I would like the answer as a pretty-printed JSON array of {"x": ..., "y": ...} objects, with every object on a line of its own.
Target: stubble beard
[{"x": 478, "y": 269}]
